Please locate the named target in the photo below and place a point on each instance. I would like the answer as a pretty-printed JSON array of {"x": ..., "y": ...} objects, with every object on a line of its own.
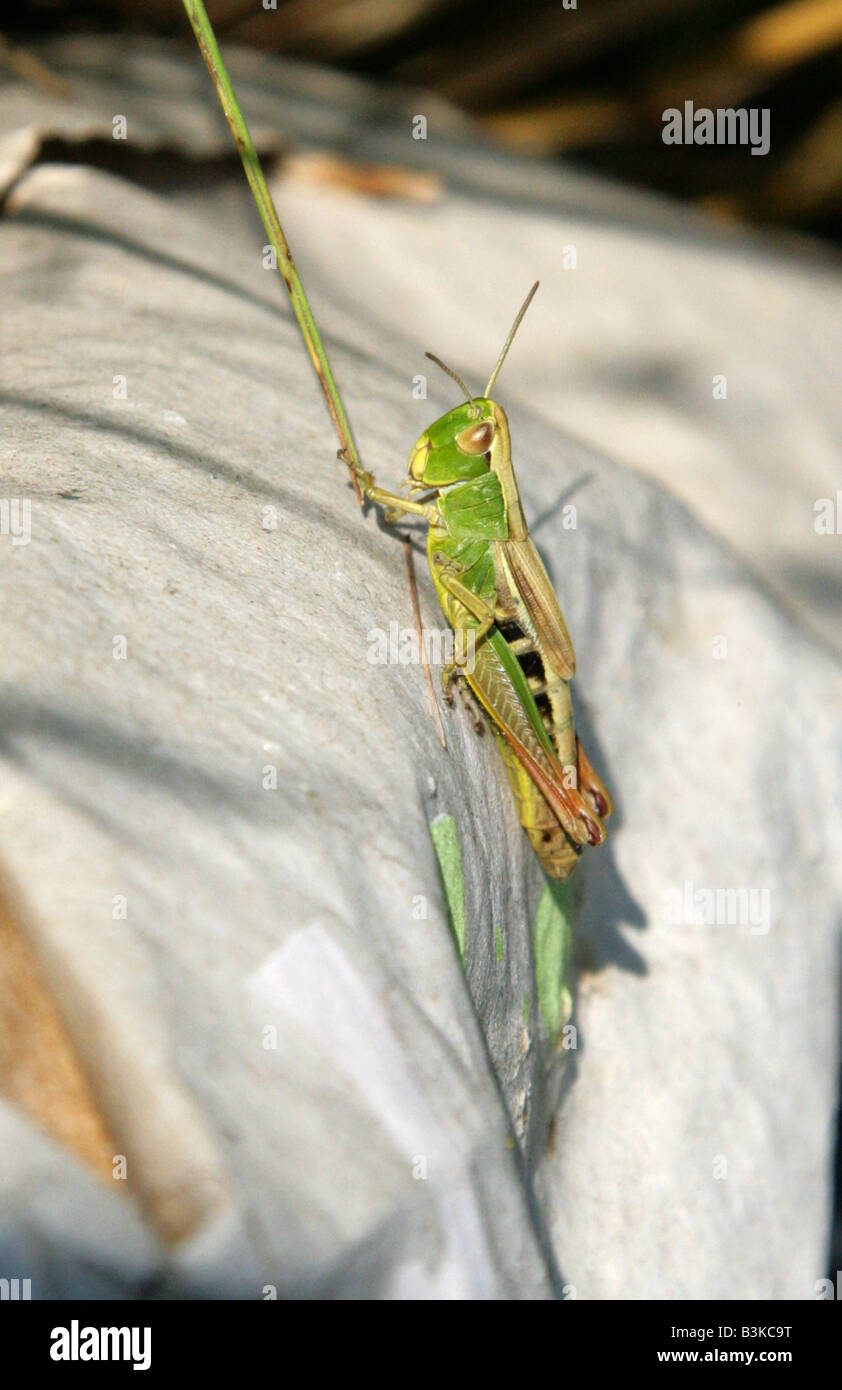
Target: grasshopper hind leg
[
  {"x": 591, "y": 786},
  {"x": 554, "y": 848}
]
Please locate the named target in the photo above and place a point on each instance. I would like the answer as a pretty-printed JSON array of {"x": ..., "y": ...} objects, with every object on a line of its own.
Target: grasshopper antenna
[
  {"x": 515, "y": 326},
  {"x": 451, "y": 373}
]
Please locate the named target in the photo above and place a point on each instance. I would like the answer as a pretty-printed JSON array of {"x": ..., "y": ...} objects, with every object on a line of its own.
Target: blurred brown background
[{"x": 587, "y": 83}]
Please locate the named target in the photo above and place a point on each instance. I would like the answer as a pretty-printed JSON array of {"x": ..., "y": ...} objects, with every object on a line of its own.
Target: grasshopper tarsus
[{"x": 361, "y": 479}]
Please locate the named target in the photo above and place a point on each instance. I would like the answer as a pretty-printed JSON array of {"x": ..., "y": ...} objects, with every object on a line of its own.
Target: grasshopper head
[{"x": 456, "y": 447}]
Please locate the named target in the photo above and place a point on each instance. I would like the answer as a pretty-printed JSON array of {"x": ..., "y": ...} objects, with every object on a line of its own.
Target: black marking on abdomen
[
  {"x": 532, "y": 665},
  {"x": 511, "y": 630}
]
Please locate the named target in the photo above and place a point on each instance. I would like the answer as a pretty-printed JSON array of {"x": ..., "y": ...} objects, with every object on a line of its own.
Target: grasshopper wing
[
  {"x": 501, "y": 687},
  {"x": 535, "y": 605}
]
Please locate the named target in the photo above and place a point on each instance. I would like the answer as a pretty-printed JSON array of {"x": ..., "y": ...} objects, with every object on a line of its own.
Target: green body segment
[
  {"x": 474, "y": 561},
  {"x": 474, "y": 511}
]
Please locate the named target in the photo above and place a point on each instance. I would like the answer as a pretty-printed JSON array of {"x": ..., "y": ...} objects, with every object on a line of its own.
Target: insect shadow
[
  {"x": 561, "y": 501},
  {"x": 607, "y": 904}
]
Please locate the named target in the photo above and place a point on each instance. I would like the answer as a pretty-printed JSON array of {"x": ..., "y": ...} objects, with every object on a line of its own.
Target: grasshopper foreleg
[
  {"x": 394, "y": 506},
  {"x": 485, "y": 613}
]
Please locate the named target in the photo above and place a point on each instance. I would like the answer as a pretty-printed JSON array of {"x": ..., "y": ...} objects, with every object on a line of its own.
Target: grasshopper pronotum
[{"x": 488, "y": 575}]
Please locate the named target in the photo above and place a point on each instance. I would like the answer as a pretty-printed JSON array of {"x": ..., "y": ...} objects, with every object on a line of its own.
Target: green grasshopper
[{"x": 491, "y": 583}]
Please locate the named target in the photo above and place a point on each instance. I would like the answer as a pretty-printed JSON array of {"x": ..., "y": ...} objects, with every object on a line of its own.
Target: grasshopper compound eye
[{"x": 476, "y": 439}]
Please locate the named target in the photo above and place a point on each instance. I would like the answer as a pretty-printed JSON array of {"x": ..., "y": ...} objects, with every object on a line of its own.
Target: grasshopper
[{"x": 491, "y": 583}]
